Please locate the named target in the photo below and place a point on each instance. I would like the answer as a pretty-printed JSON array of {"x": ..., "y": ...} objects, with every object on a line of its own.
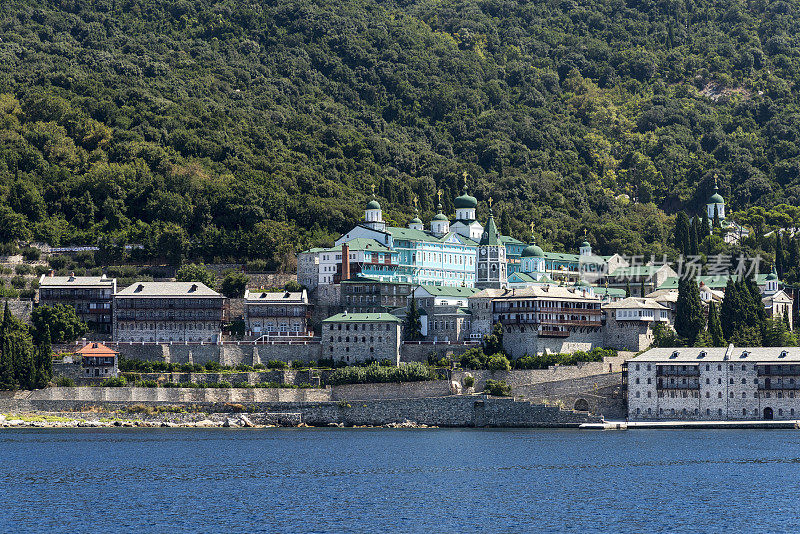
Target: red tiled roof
[{"x": 96, "y": 349}]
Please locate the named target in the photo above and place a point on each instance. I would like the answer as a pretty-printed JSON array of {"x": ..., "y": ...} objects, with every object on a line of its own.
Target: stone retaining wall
[
  {"x": 179, "y": 395},
  {"x": 524, "y": 377},
  {"x": 405, "y": 390}
]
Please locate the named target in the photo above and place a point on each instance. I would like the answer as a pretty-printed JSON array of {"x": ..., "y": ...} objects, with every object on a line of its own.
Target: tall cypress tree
[
  {"x": 705, "y": 226},
  {"x": 44, "y": 360},
  {"x": 412, "y": 329},
  {"x": 716, "y": 222},
  {"x": 729, "y": 309},
  {"x": 627, "y": 288},
  {"x": 714, "y": 326},
  {"x": 681, "y": 233},
  {"x": 694, "y": 250},
  {"x": 779, "y": 257},
  {"x": 689, "y": 319}
]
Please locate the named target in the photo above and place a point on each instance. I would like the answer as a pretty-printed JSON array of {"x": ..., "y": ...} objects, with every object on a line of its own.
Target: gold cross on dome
[
  {"x": 532, "y": 227},
  {"x": 439, "y": 194},
  {"x": 415, "y": 201},
  {"x": 465, "y": 179},
  {"x": 490, "y": 202},
  {"x": 373, "y": 189}
]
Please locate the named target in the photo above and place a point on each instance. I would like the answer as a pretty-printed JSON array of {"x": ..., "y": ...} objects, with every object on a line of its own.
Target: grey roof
[
  {"x": 545, "y": 292},
  {"x": 635, "y": 303},
  {"x": 683, "y": 355},
  {"x": 75, "y": 281},
  {"x": 362, "y": 318},
  {"x": 253, "y": 296},
  {"x": 168, "y": 289}
]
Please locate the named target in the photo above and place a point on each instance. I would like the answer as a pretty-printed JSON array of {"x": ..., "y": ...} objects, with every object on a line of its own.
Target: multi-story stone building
[
  {"x": 98, "y": 361},
  {"x": 732, "y": 383},
  {"x": 163, "y": 312},
  {"x": 308, "y": 268},
  {"x": 638, "y": 277},
  {"x": 444, "y": 312},
  {"x": 282, "y": 313},
  {"x": 537, "y": 319},
  {"x": 365, "y": 295},
  {"x": 629, "y": 323},
  {"x": 91, "y": 296},
  {"x": 358, "y": 337}
]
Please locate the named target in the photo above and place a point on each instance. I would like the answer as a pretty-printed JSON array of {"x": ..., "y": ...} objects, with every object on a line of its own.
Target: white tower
[
  {"x": 716, "y": 202},
  {"x": 373, "y": 215},
  {"x": 440, "y": 224}
]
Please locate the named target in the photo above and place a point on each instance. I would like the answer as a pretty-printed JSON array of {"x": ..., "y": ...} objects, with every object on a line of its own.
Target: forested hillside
[{"x": 237, "y": 130}]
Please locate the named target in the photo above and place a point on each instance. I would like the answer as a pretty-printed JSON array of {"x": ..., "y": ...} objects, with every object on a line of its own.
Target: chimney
[{"x": 345, "y": 262}]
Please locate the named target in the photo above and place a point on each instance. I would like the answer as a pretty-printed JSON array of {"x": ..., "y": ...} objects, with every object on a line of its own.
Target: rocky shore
[{"x": 194, "y": 420}]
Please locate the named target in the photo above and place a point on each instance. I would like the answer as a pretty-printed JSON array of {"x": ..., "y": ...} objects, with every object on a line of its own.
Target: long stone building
[
  {"x": 91, "y": 296},
  {"x": 167, "y": 312},
  {"x": 733, "y": 383}
]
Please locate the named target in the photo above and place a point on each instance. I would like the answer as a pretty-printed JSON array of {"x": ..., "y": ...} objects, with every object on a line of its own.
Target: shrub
[
  {"x": 498, "y": 362},
  {"x": 58, "y": 262},
  {"x": 41, "y": 269},
  {"x": 30, "y": 253},
  {"x": 23, "y": 268},
  {"x": 116, "y": 382},
  {"x": 469, "y": 381},
  {"x": 277, "y": 364},
  {"x": 146, "y": 384},
  {"x": 65, "y": 382},
  {"x": 299, "y": 364},
  {"x": 213, "y": 366},
  {"x": 374, "y": 373},
  {"x": 27, "y": 294},
  {"x": 259, "y": 366},
  {"x": 497, "y": 388},
  {"x": 474, "y": 358},
  {"x": 18, "y": 282},
  {"x": 244, "y": 367},
  {"x": 222, "y": 384}
]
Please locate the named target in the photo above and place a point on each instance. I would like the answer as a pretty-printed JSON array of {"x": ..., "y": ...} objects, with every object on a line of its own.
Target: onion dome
[
  {"x": 533, "y": 251},
  {"x": 716, "y": 198},
  {"x": 772, "y": 276},
  {"x": 585, "y": 244},
  {"x": 373, "y": 205},
  {"x": 415, "y": 220},
  {"x": 465, "y": 201},
  {"x": 440, "y": 217}
]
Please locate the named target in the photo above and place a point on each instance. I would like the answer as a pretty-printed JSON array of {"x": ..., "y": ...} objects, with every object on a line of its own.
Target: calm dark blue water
[{"x": 358, "y": 480}]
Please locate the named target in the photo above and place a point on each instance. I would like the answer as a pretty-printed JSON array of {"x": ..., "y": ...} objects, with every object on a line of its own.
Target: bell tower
[{"x": 491, "y": 264}]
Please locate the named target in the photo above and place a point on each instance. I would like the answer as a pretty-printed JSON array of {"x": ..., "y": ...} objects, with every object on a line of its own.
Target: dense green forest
[{"x": 235, "y": 130}]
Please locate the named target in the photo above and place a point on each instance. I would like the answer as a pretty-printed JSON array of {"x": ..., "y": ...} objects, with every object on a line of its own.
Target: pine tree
[
  {"x": 413, "y": 324},
  {"x": 689, "y": 319},
  {"x": 714, "y": 326}
]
